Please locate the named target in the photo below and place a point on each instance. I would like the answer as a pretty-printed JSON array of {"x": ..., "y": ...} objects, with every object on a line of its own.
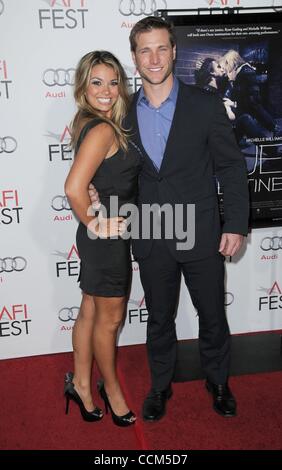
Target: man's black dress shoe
[
  {"x": 154, "y": 407},
  {"x": 223, "y": 401}
]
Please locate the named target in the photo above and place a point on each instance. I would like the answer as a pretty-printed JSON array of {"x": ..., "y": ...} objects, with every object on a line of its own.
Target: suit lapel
[
  {"x": 183, "y": 108},
  {"x": 135, "y": 133}
]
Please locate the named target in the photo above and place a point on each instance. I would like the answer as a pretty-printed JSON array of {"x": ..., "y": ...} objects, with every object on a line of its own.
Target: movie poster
[{"x": 239, "y": 57}]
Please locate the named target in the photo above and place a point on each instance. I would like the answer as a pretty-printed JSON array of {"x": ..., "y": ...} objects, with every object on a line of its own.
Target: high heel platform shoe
[
  {"x": 124, "y": 420},
  {"x": 71, "y": 394}
]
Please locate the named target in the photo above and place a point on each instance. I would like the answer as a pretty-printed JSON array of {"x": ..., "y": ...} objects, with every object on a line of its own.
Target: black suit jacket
[{"x": 201, "y": 143}]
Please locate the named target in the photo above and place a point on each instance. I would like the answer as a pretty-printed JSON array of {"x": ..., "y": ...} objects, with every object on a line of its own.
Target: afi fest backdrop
[{"x": 41, "y": 43}]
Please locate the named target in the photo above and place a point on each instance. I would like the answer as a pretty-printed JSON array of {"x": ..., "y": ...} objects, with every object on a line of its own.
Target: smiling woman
[
  {"x": 97, "y": 136},
  {"x": 102, "y": 91},
  {"x": 100, "y": 75}
]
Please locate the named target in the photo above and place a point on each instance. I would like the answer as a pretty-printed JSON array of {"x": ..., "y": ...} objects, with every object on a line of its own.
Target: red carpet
[
  {"x": 32, "y": 410},
  {"x": 33, "y": 416}
]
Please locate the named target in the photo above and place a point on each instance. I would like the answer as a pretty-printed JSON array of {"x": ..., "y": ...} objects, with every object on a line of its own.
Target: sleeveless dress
[{"x": 105, "y": 263}]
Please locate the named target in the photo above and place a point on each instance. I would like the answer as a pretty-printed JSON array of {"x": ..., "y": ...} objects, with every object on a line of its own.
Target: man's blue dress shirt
[{"x": 154, "y": 123}]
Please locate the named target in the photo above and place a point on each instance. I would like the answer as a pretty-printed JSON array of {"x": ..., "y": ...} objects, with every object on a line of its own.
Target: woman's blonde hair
[
  {"x": 231, "y": 61},
  {"x": 85, "y": 111}
]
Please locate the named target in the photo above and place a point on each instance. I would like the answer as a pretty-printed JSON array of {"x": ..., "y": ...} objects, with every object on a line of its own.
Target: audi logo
[
  {"x": 7, "y": 265},
  {"x": 68, "y": 314},
  {"x": 228, "y": 298},
  {"x": 8, "y": 144},
  {"x": 59, "y": 77},
  {"x": 60, "y": 203},
  {"x": 271, "y": 243},
  {"x": 1, "y": 7},
  {"x": 140, "y": 7},
  {"x": 276, "y": 5}
]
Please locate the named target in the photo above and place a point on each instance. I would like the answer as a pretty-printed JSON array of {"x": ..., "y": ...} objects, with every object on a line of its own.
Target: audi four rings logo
[
  {"x": 271, "y": 243},
  {"x": 60, "y": 203},
  {"x": 1, "y": 7},
  {"x": 7, "y": 265},
  {"x": 8, "y": 144},
  {"x": 140, "y": 7},
  {"x": 276, "y": 5},
  {"x": 229, "y": 298},
  {"x": 59, "y": 77},
  {"x": 68, "y": 314}
]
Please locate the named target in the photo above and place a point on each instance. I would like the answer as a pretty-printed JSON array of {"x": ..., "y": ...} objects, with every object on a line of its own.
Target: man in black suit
[
  {"x": 185, "y": 137},
  {"x": 194, "y": 140}
]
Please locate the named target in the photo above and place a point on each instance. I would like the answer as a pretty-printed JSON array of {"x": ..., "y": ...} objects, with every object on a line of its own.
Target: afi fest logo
[
  {"x": 14, "y": 320},
  {"x": 133, "y": 78},
  {"x": 57, "y": 79},
  {"x": 5, "y": 82},
  {"x": 137, "y": 311},
  {"x": 61, "y": 207},
  {"x": 70, "y": 266},
  {"x": 10, "y": 208},
  {"x": 224, "y": 3},
  {"x": 273, "y": 298},
  {"x": 59, "y": 151},
  {"x": 63, "y": 14}
]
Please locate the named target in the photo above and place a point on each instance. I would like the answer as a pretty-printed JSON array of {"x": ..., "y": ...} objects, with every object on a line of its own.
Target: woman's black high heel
[
  {"x": 124, "y": 420},
  {"x": 71, "y": 394}
]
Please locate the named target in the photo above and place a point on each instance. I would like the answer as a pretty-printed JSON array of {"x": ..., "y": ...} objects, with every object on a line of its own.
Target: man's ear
[{"x": 174, "y": 52}]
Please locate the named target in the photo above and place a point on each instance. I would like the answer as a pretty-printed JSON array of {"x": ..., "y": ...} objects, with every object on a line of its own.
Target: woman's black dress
[{"x": 105, "y": 268}]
